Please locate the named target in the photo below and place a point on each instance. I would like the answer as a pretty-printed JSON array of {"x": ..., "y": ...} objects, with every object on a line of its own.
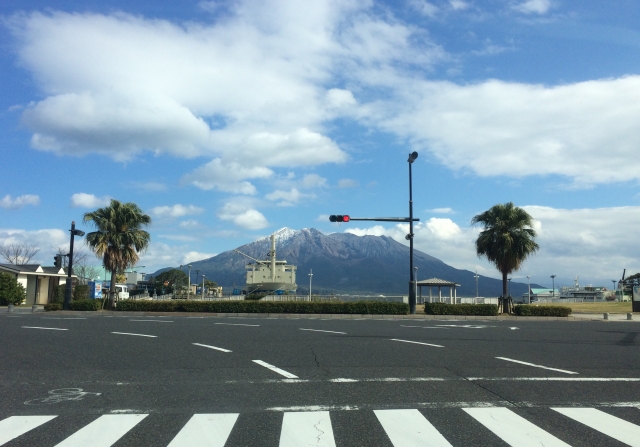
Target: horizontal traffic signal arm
[{"x": 346, "y": 218}]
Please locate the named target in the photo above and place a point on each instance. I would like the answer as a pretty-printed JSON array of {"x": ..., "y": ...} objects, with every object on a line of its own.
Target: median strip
[
  {"x": 282, "y": 372},
  {"x": 137, "y": 335},
  {"x": 536, "y": 366},
  {"x": 211, "y": 347},
  {"x": 417, "y": 343}
]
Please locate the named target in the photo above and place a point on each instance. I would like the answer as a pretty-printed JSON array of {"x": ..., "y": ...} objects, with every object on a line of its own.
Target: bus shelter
[{"x": 439, "y": 283}]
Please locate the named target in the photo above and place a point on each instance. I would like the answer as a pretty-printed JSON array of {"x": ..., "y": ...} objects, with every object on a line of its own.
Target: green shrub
[
  {"x": 11, "y": 291},
  {"x": 292, "y": 307},
  {"x": 528, "y": 310},
  {"x": 53, "y": 306},
  {"x": 460, "y": 309},
  {"x": 58, "y": 294},
  {"x": 255, "y": 296},
  {"x": 81, "y": 292},
  {"x": 86, "y": 305}
]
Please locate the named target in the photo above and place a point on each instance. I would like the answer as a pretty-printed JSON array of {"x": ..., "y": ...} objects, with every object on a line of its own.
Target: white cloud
[
  {"x": 227, "y": 176},
  {"x": 441, "y": 210},
  {"x": 586, "y": 131},
  {"x": 148, "y": 186},
  {"x": 84, "y": 200},
  {"x": 424, "y": 7},
  {"x": 347, "y": 183},
  {"x": 595, "y": 244},
  {"x": 189, "y": 224},
  {"x": 194, "y": 256},
  {"x": 243, "y": 216},
  {"x": 46, "y": 239},
  {"x": 534, "y": 6},
  {"x": 313, "y": 181},
  {"x": 19, "y": 202},
  {"x": 176, "y": 210},
  {"x": 458, "y": 5},
  {"x": 287, "y": 198}
]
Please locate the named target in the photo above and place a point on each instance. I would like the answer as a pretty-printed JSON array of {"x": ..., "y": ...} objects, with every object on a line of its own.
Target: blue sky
[{"x": 226, "y": 121}]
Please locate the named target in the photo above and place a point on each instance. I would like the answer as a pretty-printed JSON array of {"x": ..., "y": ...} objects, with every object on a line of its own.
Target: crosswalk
[{"x": 401, "y": 428}]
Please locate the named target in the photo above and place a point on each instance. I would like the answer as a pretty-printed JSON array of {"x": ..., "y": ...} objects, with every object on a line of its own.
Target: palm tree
[
  {"x": 119, "y": 237},
  {"x": 507, "y": 239}
]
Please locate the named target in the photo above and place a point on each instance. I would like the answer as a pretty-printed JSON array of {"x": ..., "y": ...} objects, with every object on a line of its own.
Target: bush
[
  {"x": 85, "y": 305},
  {"x": 81, "y": 292},
  {"x": 58, "y": 294},
  {"x": 11, "y": 291},
  {"x": 527, "y": 310},
  {"x": 284, "y": 307},
  {"x": 255, "y": 296},
  {"x": 460, "y": 309},
  {"x": 53, "y": 306}
]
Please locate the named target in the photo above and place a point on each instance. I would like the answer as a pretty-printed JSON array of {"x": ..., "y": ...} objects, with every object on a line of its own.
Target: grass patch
[{"x": 595, "y": 308}]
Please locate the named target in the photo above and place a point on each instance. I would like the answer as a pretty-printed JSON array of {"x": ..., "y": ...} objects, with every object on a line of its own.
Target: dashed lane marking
[
  {"x": 537, "y": 366},
  {"x": 47, "y": 328},
  {"x": 137, "y": 335},
  {"x": 282, "y": 372},
  {"x": 211, "y": 347},
  {"x": 154, "y": 321},
  {"x": 238, "y": 324},
  {"x": 417, "y": 343},
  {"x": 318, "y": 330}
]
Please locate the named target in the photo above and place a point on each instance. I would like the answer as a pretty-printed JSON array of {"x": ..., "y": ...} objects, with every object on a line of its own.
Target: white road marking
[
  {"x": 104, "y": 431},
  {"x": 561, "y": 379},
  {"x": 612, "y": 426},
  {"x": 513, "y": 429},
  {"x": 514, "y": 328},
  {"x": 205, "y": 430},
  {"x": 309, "y": 428},
  {"x": 426, "y": 327},
  {"x": 288, "y": 375},
  {"x": 468, "y": 326},
  {"x": 137, "y": 335},
  {"x": 212, "y": 347},
  {"x": 537, "y": 366},
  {"x": 409, "y": 428},
  {"x": 417, "y": 343},
  {"x": 63, "y": 318},
  {"x": 315, "y": 408},
  {"x": 154, "y": 321},
  {"x": 15, "y": 426},
  {"x": 237, "y": 324},
  {"x": 318, "y": 330},
  {"x": 48, "y": 328}
]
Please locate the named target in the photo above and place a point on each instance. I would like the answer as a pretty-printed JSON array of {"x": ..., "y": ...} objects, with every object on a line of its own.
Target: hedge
[
  {"x": 460, "y": 309},
  {"x": 81, "y": 292},
  {"x": 53, "y": 306},
  {"x": 527, "y": 310},
  {"x": 85, "y": 305},
  {"x": 273, "y": 307}
]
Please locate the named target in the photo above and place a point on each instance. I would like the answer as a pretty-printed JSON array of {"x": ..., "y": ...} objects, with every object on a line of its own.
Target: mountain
[{"x": 346, "y": 263}]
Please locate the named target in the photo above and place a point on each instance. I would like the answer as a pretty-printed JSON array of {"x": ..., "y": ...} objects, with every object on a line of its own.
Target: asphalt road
[{"x": 159, "y": 381}]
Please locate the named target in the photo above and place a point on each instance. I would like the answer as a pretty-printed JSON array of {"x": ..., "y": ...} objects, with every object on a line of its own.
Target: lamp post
[
  {"x": 614, "y": 289},
  {"x": 412, "y": 286},
  {"x": 197, "y": 276},
  {"x": 67, "y": 290},
  {"x": 202, "y": 291},
  {"x": 416, "y": 282},
  {"x": 189, "y": 286},
  {"x": 553, "y": 288},
  {"x": 529, "y": 287},
  {"x": 310, "y": 278},
  {"x": 476, "y": 277}
]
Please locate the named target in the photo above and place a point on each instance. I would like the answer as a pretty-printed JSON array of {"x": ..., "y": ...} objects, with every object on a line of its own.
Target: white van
[{"x": 122, "y": 291}]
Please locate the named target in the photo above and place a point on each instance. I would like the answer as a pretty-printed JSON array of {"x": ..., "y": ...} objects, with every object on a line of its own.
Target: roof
[
  {"x": 437, "y": 282},
  {"x": 33, "y": 269}
]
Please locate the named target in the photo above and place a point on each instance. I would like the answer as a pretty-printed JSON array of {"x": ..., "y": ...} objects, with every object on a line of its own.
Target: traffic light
[
  {"x": 339, "y": 218},
  {"x": 57, "y": 261}
]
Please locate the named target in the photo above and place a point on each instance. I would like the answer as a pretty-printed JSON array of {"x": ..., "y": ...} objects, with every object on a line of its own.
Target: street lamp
[
  {"x": 310, "y": 278},
  {"x": 189, "y": 287},
  {"x": 416, "y": 282},
  {"x": 553, "y": 288},
  {"x": 412, "y": 287},
  {"x": 67, "y": 290},
  {"x": 476, "y": 277},
  {"x": 203, "y": 287},
  {"x": 614, "y": 289},
  {"x": 529, "y": 287}
]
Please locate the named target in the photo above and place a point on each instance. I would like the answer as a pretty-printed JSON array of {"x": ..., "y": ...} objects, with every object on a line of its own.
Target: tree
[
  {"x": 119, "y": 237},
  {"x": 170, "y": 280},
  {"x": 507, "y": 239},
  {"x": 19, "y": 254},
  {"x": 11, "y": 291}
]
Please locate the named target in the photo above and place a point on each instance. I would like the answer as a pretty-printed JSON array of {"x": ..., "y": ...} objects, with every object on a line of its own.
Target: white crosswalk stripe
[
  {"x": 612, "y": 426},
  {"x": 404, "y": 428},
  {"x": 409, "y": 428},
  {"x": 310, "y": 428},
  {"x": 205, "y": 430},
  {"x": 104, "y": 431},
  {"x": 15, "y": 426},
  {"x": 513, "y": 429}
]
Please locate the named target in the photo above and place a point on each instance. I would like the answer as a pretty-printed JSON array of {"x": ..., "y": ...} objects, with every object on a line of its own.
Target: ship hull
[{"x": 271, "y": 287}]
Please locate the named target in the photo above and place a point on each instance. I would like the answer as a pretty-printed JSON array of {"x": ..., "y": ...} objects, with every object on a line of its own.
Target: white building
[{"x": 38, "y": 281}]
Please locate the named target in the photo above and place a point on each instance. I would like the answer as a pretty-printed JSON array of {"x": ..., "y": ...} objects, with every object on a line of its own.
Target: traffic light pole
[
  {"x": 412, "y": 282},
  {"x": 69, "y": 285}
]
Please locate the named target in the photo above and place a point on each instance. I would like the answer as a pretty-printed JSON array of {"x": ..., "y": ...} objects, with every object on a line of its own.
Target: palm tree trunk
[
  {"x": 112, "y": 289},
  {"x": 505, "y": 302}
]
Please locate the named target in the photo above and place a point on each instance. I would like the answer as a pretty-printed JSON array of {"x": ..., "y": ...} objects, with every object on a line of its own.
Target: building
[{"x": 38, "y": 281}]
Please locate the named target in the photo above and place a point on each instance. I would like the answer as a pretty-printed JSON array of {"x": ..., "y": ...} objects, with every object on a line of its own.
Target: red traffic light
[
  {"x": 339, "y": 218},
  {"x": 345, "y": 218}
]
